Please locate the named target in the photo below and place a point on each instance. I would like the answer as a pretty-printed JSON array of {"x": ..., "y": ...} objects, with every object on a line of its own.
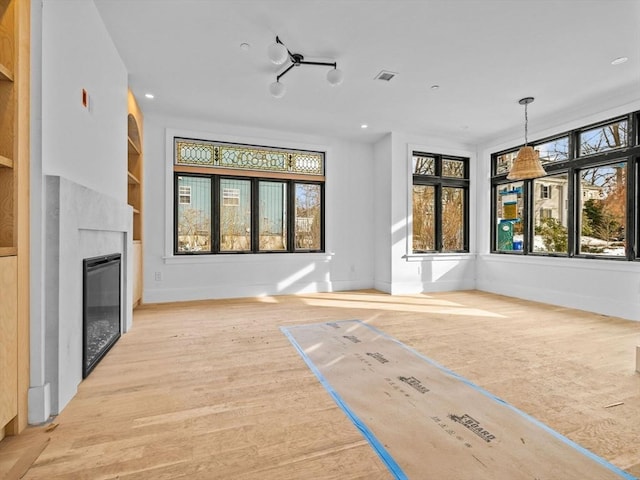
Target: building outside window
[
  {"x": 247, "y": 199},
  {"x": 184, "y": 195},
  {"x": 230, "y": 197},
  {"x": 550, "y": 214},
  {"x": 440, "y": 203},
  {"x": 585, "y": 206}
]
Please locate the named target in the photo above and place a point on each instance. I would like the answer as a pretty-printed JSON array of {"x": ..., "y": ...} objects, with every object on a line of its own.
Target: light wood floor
[{"x": 214, "y": 390}]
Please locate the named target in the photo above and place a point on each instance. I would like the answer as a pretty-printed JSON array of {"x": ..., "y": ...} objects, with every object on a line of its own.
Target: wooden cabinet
[
  {"x": 8, "y": 340},
  {"x": 134, "y": 189},
  {"x": 14, "y": 215}
]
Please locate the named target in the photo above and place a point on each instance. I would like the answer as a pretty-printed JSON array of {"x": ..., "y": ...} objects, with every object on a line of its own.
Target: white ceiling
[{"x": 484, "y": 54}]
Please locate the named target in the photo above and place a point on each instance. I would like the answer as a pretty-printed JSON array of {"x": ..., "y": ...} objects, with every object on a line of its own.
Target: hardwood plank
[
  {"x": 27, "y": 458},
  {"x": 213, "y": 389}
]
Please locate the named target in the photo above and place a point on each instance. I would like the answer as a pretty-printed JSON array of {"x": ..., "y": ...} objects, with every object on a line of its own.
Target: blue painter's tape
[
  {"x": 548, "y": 429},
  {"x": 360, "y": 425}
]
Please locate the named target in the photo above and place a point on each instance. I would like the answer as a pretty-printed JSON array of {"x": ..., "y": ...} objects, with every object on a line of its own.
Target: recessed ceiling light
[
  {"x": 434, "y": 87},
  {"x": 245, "y": 47},
  {"x": 149, "y": 95},
  {"x": 619, "y": 61},
  {"x": 364, "y": 125}
]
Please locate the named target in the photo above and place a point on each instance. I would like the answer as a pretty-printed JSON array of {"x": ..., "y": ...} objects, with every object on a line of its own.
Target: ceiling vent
[{"x": 385, "y": 75}]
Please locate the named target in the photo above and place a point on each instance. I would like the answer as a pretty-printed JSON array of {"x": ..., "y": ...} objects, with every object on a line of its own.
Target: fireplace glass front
[{"x": 101, "y": 308}]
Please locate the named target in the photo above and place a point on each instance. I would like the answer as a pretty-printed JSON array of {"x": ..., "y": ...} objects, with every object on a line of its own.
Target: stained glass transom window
[
  {"x": 194, "y": 153},
  {"x": 219, "y": 155}
]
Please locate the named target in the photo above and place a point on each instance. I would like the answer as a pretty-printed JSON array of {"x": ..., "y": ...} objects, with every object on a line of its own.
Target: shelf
[
  {"x": 8, "y": 251},
  {"x": 132, "y": 179},
  {"x": 6, "y": 162},
  {"x": 133, "y": 148},
  {"x": 5, "y": 73}
]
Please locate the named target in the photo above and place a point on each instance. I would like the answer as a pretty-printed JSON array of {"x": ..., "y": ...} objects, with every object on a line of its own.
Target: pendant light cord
[
  {"x": 526, "y": 101},
  {"x": 526, "y": 124}
]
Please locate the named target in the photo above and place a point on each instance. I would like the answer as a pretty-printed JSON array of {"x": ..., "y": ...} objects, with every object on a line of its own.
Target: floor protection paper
[{"x": 426, "y": 422}]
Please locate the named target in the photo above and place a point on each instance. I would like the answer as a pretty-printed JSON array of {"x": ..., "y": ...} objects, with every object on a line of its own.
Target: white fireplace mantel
[{"x": 80, "y": 223}]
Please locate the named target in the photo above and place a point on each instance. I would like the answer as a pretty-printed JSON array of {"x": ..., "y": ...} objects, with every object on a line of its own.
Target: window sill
[
  {"x": 611, "y": 264},
  {"x": 245, "y": 258},
  {"x": 438, "y": 257}
]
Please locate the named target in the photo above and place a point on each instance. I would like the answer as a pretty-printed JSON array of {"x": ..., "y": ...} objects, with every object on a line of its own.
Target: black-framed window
[
  {"x": 440, "y": 203},
  {"x": 247, "y": 199},
  {"x": 587, "y": 204}
]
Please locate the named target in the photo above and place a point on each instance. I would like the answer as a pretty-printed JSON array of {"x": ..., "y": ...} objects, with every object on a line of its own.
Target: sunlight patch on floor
[{"x": 400, "y": 305}]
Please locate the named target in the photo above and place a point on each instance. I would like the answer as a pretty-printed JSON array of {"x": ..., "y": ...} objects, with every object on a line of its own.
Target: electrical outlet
[{"x": 158, "y": 276}]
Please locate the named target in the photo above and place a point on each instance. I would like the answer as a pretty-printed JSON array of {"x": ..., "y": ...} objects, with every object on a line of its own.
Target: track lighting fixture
[{"x": 279, "y": 54}]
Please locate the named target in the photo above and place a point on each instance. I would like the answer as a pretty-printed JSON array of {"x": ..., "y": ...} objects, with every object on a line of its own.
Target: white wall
[
  {"x": 609, "y": 287},
  {"x": 383, "y": 159},
  {"x": 424, "y": 272},
  {"x": 347, "y": 263},
  {"x": 83, "y": 144},
  {"x": 71, "y": 50},
  {"x": 368, "y": 206}
]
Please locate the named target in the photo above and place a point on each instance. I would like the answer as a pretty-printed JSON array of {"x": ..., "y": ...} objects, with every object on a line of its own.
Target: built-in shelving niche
[
  {"x": 14, "y": 215},
  {"x": 135, "y": 175}
]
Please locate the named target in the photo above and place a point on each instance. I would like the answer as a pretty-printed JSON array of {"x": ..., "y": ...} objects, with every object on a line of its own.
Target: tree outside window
[
  {"x": 439, "y": 203},
  {"x": 603, "y": 217}
]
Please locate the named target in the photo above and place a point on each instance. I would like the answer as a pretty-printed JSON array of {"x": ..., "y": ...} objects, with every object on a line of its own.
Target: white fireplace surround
[{"x": 80, "y": 223}]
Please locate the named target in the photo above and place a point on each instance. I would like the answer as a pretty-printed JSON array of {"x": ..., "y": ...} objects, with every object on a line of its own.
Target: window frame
[
  {"x": 217, "y": 173},
  {"x": 439, "y": 182},
  {"x": 572, "y": 167}
]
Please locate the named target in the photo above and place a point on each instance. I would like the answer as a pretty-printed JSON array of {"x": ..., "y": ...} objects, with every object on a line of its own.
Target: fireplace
[
  {"x": 80, "y": 223},
  {"x": 101, "y": 316}
]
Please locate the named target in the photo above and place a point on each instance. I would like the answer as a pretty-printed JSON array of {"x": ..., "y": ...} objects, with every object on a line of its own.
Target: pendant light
[
  {"x": 279, "y": 54},
  {"x": 527, "y": 163}
]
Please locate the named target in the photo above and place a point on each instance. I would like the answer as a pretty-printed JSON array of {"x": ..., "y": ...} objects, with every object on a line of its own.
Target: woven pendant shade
[{"x": 526, "y": 165}]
